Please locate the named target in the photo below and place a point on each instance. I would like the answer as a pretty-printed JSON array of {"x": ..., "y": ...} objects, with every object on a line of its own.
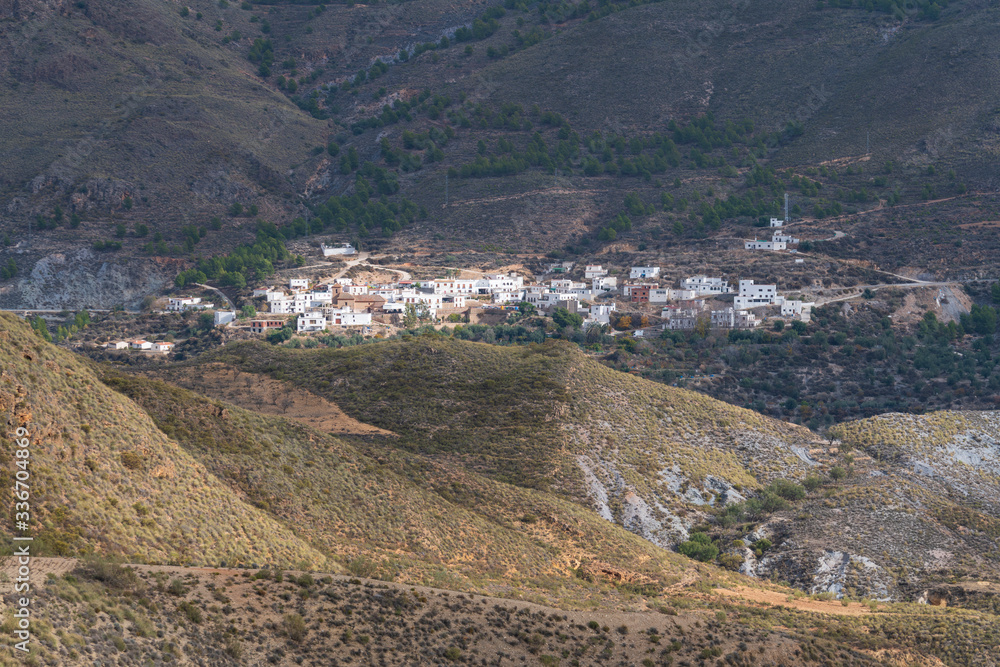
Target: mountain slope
[
  {"x": 665, "y": 462},
  {"x": 404, "y": 518},
  {"x": 106, "y": 479},
  {"x": 546, "y": 417}
]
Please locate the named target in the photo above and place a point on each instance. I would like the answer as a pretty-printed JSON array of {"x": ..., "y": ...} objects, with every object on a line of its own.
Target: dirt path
[
  {"x": 519, "y": 195},
  {"x": 219, "y": 292},
  {"x": 874, "y": 288},
  {"x": 802, "y": 604}
]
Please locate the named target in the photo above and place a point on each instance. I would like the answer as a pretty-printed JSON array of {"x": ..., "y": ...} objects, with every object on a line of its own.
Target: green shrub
[
  {"x": 191, "y": 610},
  {"x": 177, "y": 587},
  {"x": 699, "y": 547},
  {"x": 295, "y": 627},
  {"x": 131, "y": 460},
  {"x": 731, "y": 561},
  {"x": 787, "y": 489}
]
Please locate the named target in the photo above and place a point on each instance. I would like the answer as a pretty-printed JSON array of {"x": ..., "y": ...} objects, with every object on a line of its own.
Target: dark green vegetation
[{"x": 836, "y": 368}]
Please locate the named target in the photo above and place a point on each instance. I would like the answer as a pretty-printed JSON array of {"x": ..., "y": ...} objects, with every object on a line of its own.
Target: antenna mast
[{"x": 786, "y": 207}]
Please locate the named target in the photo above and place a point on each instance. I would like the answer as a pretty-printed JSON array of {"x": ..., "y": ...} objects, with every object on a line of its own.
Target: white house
[
  {"x": 188, "y": 303},
  {"x": 783, "y": 238},
  {"x": 594, "y": 271},
  {"x": 777, "y": 222},
  {"x": 603, "y": 284},
  {"x": 261, "y": 291},
  {"x": 117, "y": 345},
  {"x": 224, "y": 316},
  {"x": 356, "y": 289},
  {"x": 455, "y": 286},
  {"x": 312, "y": 321},
  {"x": 600, "y": 314},
  {"x": 660, "y": 295},
  {"x": 298, "y": 283},
  {"x": 705, "y": 285},
  {"x": 796, "y": 308},
  {"x": 275, "y": 295},
  {"x": 140, "y": 344},
  {"x": 639, "y": 272},
  {"x": 342, "y": 249},
  {"x": 163, "y": 347},
  {"x": 757, "y": 244},
  {"x": 508, "y": 297},
  {"x": 499, "y": 283},
  {"x": 345, "y": 317},
  {"x": 755, "y": 296}
]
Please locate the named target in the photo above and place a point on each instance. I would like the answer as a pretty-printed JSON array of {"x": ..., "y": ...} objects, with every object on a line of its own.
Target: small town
[{"x": 599, "y": 296}]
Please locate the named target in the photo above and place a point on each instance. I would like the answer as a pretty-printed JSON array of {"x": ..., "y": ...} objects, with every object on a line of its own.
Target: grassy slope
[
  {"x": 415, "y": 521},
  {"x": 517, "y": 412},
  {"x": 648, "y": 457},
  {"x": 232, "y": 486},
  {"x": 170, "y": 509},
  {"x": 229, "y": 617}
]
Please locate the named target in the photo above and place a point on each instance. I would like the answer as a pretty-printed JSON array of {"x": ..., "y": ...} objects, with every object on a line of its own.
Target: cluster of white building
[
  {"x": 344, "y": 303},
  {"x": 779, "y": 240},
  {"x": 161, "y": 346}
]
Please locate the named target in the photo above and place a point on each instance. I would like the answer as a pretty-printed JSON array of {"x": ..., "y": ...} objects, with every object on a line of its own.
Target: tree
[
  {"x": 9, "y": 270},
  {"x": 409, "y": 316},
  {"x": 248, "y": 310},
  {"x": 526, "y": 309},
  {"x": 563, "y": 318},
  {"x": 699, "y": 547}
]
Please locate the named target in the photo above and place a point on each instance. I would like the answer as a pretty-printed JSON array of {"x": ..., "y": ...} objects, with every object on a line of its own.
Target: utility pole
[
  {"x": 446, "y": 189},
  {"x": 786, "y": 208}
]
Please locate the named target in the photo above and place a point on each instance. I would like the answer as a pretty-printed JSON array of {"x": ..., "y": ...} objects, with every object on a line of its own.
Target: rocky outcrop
[{"x": 84, "y": 279}]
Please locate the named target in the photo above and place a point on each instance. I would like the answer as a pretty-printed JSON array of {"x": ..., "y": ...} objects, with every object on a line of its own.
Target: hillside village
[{"x": 599, "y": 296}]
